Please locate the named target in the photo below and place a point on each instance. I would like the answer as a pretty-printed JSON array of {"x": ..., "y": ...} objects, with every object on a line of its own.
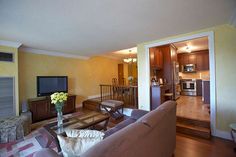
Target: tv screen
[{"x": 47, "y": 85}]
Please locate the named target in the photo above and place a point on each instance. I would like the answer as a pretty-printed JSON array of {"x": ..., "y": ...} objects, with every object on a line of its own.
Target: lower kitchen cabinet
[
  {"x": 199, "y": 87},
  {"x": 206, "y": 92}
]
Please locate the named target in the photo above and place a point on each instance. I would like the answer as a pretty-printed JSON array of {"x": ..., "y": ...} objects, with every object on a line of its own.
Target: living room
[{"x": 65, "y": 39}]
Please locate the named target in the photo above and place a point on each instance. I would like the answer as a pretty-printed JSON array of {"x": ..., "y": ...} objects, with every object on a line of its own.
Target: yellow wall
[
  {"x": 84, "y": 76},
  {"x": 225, "y": 59},
  {"x": 11, "y": 69}
]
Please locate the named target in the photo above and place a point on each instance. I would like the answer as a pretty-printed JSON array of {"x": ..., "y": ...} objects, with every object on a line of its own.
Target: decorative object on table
[
  {"x": 58, "y": 99},
  {"x": 24, "y": 107},
  {"x": 130, "y": 79},
  {"x": 79, "y": 141}
]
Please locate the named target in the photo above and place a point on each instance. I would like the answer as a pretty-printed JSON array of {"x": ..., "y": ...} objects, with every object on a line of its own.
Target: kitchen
[{"x": 180, "y": 71}]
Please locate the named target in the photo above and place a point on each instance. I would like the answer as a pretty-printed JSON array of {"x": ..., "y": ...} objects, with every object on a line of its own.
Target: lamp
[{"x": 130, "y": 59}]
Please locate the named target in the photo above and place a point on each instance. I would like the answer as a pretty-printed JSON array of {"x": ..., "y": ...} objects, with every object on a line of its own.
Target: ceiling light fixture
[
  {"x": 130, "y": 59},
  {"x": 188, "y": 49}
]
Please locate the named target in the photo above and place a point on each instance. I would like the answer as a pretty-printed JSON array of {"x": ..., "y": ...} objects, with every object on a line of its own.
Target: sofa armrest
[
  {"x": 136, "y": 114},
  {"x": 46, "y": 152}
]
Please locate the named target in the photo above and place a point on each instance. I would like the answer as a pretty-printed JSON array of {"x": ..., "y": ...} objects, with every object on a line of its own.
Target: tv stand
[{"x": 42, "y": 108}]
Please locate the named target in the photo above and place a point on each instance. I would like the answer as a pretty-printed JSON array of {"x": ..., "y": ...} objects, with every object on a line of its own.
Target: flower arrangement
[
  {"x": 130, "y": 79},
  {"x": 58, "y": 99}
]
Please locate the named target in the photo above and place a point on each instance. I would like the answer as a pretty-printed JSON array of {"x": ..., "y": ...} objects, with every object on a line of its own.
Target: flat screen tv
[{"x": 47, "y": 85}]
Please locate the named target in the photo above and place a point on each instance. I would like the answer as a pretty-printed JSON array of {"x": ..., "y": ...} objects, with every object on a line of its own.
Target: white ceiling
[
  {"x": 120, "y": 54},
  {"x": 194, "y": 45},
  {"x": 88, "y": 27}
]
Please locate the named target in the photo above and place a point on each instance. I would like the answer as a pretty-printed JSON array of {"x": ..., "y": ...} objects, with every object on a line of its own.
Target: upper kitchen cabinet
[
  {"x": 200, "y": 59},
  {"x": 156, "y": 58},
  {"x": 192, "y": 59}
]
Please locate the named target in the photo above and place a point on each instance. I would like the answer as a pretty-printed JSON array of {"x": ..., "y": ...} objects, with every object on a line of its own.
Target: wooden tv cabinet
[{"x": 42, "y": 108}]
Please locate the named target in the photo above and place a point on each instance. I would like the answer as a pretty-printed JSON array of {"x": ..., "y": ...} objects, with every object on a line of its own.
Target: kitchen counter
[{"x": 158, "y": 94}]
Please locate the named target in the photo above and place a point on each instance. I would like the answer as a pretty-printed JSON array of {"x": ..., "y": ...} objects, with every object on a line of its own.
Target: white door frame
[{"x": 210, "y": 36}]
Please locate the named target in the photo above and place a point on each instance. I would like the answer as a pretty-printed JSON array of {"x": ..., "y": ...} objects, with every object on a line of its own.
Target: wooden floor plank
[{"x": 187, "y": 146}]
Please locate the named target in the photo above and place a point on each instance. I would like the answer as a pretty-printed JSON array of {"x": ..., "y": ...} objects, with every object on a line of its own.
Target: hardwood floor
[
  {"x": 187, "y": 146},
  {"x": 192, "y": 107}
]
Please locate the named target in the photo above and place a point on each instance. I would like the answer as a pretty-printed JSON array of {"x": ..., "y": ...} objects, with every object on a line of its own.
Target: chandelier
[{"x": 130, "y": 59}]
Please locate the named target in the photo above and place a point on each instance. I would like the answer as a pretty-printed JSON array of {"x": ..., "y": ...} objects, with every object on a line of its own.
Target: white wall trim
[
  {"x": 52, "y": 53},
  {"x": 210, "y": 36},
  {"x": 232, "y": 20},
  {"x": 10, "y": 43},
  {"x": 110, "y": 57},
  {"x": 223, "y": 134}
]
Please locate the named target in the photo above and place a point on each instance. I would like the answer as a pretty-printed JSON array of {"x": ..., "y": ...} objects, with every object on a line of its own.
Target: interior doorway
[{"x": 196, "y": 80}]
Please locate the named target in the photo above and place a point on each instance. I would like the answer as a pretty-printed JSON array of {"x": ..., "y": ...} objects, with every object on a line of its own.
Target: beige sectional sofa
[{"x": 152, "y": 135}]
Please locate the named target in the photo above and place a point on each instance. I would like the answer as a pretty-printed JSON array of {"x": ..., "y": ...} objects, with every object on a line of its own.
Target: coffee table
[{"x": 90, "y": 120}]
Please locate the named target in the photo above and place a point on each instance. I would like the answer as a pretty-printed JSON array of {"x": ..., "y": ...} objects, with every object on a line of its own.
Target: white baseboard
[{"x": 223, "y": 134}]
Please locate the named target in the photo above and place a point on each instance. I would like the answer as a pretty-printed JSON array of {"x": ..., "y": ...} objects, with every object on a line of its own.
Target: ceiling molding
[
  {"x": 52, "y": 53},
  {"x": 111, "y": 57},
  {"x": 233, "y": 19},
  {"x": 10, "y": 43}
]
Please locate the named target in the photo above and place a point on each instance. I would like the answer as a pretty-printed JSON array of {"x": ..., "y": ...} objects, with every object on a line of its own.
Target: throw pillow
[{"x": 78, "y": 141}]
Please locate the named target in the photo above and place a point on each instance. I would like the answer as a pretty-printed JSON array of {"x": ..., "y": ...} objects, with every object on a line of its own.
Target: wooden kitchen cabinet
[
  {"x": 156, "y": 58},
  {"x": 200, "y": 59},
  {"x": 199, "y": 87},
  {"x": 206, "y": 92},
  {"x": 205, "y": 61},
  {"x": 200, "y": 63},
  {"x": 192, "y": 59}
]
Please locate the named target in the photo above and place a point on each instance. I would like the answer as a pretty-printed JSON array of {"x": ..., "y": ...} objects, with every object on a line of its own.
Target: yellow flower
[{"x": 58, "y": 97}]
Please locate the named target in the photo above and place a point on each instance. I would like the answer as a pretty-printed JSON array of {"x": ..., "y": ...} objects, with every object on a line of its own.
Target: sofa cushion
[
  {"x": 78, "y": 141},
  {"x": 83, "y": 133}
]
